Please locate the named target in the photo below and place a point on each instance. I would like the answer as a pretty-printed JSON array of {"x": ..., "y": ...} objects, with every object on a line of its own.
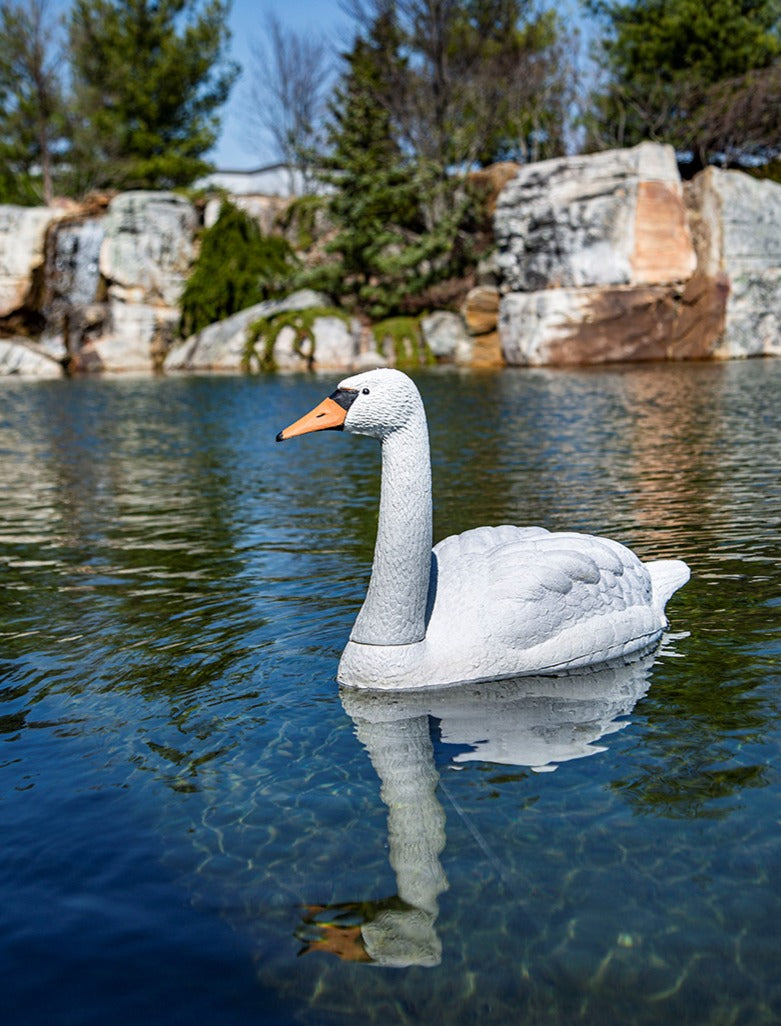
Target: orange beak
[{"x": 328, "y": 414}]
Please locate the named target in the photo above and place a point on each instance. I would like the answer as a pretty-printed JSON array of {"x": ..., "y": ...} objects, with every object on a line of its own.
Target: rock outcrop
[
  {"x": 109, "y": 297},
  {"x": 147, "y": 250},
  {"x": 330, "y": 345},
  {"x": 612, "y": 218},
  {"x": 736, "y": 224},
  {"x": 607, "y": 258},
  {"x": 20, "y": 358},
  {"x": 22, "y": 251},
  {"x": 599, "y": 258},
  {"x": 593, "y": 251}
]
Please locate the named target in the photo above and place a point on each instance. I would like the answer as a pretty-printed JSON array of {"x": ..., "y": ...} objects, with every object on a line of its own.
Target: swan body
[{"x": 490, "y": 603}]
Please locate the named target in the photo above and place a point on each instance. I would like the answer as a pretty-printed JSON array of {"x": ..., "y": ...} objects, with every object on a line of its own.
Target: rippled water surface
[{"x": 198, "y": 827}]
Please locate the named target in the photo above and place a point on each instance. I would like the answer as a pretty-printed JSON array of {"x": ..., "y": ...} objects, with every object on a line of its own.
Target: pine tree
[
  {"x": 148, "y": 78},
  {"x": 374, "y": 203},
  {"x": 676, "y": 68},
  {"x": 237, "y": 267}
]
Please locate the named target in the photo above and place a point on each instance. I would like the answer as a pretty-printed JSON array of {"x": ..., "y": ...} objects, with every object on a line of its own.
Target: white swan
[{"x": 490, "y": 603}]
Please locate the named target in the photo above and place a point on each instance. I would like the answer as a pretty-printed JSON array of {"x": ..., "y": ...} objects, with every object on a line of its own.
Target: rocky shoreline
[{"x": 600, "y": 258}]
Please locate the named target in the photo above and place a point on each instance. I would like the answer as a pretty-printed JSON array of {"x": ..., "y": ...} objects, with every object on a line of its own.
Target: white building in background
[
  {"x": 264, "y": 193},
  {"x": 274, "y": 180}
]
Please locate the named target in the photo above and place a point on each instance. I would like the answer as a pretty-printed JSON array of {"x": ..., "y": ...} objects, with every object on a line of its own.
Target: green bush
[{"x": 237, "y": 267}]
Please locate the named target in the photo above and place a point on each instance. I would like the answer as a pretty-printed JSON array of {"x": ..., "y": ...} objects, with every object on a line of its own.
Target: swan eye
[{"x": 365, "y": 391}]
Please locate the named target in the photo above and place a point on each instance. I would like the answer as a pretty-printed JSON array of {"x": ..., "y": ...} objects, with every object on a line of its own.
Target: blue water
[{"x": 198, "y": 827}]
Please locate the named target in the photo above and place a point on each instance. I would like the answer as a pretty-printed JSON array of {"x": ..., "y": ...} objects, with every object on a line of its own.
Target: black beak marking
[{"x": 344, "y": 397}]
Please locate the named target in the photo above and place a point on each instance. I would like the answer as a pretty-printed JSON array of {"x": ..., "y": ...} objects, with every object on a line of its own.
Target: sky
[{"x": 234, "y": 150}]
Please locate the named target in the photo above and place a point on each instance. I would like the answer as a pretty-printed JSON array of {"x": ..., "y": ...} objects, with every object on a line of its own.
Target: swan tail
[{"x": 667, "y": 576}]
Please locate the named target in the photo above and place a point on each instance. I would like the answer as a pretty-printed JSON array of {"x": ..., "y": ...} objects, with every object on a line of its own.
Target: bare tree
[
  {"x": 289, "y": 77},
  {"x": 30, "y": 88},
  {"x": 476, "y": 78}
]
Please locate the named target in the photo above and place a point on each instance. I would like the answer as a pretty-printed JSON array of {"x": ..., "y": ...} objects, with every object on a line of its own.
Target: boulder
[
  {"x": 602, "y": 325},
  {"x": 335, "y": 344},
  {"x": 22, "y": 250},
  {"x": 327, "y": 344},
  {"x": 447, "y": 337},
  {"x": 481, "y": 309},
  {"x": 20, "y": 357},
  {"x": 481, "y": 316},
  {"x": 149, "y": 243},
  {"x": 221, "y": 346},
  {"x": 605, "y": 219},
  {"x": 736, "y": 225},
  {"x": 134, "y": 339}
]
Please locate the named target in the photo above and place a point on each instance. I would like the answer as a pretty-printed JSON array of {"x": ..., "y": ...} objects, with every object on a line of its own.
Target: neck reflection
[{"x": 532, "y": 722}]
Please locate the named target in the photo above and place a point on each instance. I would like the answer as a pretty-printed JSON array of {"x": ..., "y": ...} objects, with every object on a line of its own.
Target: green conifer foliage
[
  {"x": 384, "y": 256},
  {"x": 705, "y": 77},
  {"x": 148, "y": 77},
  {"x": 237, "y": 267}
]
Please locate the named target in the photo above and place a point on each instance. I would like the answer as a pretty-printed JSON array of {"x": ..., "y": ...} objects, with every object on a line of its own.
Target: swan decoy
[{"x": 492, "y": 602}]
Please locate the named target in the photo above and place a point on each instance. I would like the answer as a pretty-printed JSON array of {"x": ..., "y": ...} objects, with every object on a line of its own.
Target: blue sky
[{"x": 319, "y": 17}]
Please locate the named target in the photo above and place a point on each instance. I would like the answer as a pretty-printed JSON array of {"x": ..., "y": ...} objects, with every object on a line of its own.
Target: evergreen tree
[
  {"x": 689, "y": 73},
  {"x": 373, "y": 203},
  {"x": 388, "y": 256},
  {"x": 32, "y": 121},
  {"x": 148, "y": 77},
  {"x": 237, "y": 267}
]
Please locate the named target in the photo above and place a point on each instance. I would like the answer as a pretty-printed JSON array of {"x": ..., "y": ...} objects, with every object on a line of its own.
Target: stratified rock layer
[
  {"x": 612, "y": 218},
  {"x": 606, "y": 259},
  {"x": 22, "y": 242},
  {"x": 736, "y": 224}
]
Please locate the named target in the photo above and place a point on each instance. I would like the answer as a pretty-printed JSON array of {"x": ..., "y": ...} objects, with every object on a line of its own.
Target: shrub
[{"x": 237, "y": 267}]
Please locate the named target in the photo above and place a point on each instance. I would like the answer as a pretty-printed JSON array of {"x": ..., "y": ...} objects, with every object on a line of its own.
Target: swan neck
[{"x": 394, "y": 611}]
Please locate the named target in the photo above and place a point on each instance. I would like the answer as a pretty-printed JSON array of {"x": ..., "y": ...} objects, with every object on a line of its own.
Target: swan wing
[{"x": 517, "y": 593}]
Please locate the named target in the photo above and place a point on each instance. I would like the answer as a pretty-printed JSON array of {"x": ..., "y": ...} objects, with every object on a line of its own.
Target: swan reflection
[{"x": 533, "y": 722}]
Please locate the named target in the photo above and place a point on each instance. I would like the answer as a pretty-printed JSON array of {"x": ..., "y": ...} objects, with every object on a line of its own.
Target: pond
[{"x": 198, "y": 827}]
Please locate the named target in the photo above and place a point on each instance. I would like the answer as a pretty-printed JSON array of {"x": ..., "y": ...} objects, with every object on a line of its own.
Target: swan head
[{"x": 375, "y": 403}]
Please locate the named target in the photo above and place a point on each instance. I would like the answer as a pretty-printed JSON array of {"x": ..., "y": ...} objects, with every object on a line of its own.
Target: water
[{"x": 192, "y": 816}]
